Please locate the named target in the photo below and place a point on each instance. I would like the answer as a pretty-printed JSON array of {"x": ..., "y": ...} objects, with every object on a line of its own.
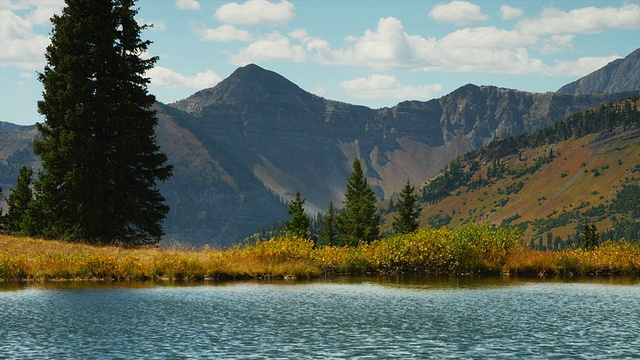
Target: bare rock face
[
  {"x": 618, "y": 76},
  {"x": 243, "y": 148}
]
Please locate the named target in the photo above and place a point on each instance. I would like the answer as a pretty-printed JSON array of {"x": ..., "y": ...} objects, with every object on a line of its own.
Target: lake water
[{"x": 343, "y": 318}]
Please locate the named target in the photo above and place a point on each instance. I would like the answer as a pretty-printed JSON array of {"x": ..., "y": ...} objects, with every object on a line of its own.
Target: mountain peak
[
  {"x": 246, "y": 84},
  {"x": 268, "y": 80},
  {"x": 618, "y": 76}
]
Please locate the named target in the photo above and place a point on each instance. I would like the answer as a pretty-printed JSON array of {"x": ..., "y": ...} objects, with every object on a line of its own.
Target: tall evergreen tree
[
  {"x": 359, "y": 220},
  {"x": 19, "y": 199},
  {"x": 406, "y": 220},
  {"x": 299, "y": 223},
  {"x": 590, "y": 237},
  {"x": 328, "y": 233},
  {"x": 100, "y": 159}
]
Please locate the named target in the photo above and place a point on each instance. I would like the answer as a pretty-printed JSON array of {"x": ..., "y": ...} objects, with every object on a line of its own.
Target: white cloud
[
  {"x": 457, "y": 12},
  {"x": 582, "y": 66},
  {"x": 319, "y": 90},
  {"x": 187, "y": 5},
  {"x": 486, "y": 38},
  {"x": 223, "y": 33},
  {"x": 167, "y": 78},
  {"x": 556, "y": 43},
  {"x": 589, "y": 20},
  {"x": 389, "y": 47},
  {"x": 379, "y": 86},
  {"x": 508, "y": 12},
  {"x": 273, "y": 47},
  {"x": 41, "y": 11},
  {"x": 21, "y": 47},
  {"x": 386, "y": 47},
  {"x": 256, "y": 12}
]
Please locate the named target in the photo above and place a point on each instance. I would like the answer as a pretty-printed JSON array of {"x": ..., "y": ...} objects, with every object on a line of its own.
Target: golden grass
[{"x": 472, "y": 249}]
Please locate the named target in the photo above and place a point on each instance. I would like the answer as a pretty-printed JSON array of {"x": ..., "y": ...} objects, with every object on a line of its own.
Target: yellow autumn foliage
[{"x": 472, "y": 249}]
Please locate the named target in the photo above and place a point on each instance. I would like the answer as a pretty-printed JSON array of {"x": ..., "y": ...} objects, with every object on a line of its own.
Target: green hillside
[{"x": 583, "y": 169}]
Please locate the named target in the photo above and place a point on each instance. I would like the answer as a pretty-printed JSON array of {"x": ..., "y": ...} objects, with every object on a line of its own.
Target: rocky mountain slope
[
  {"x": 242, "y": 148},
  {"x": 618, "y": 76},
  {"x": 585, "y": 168}
]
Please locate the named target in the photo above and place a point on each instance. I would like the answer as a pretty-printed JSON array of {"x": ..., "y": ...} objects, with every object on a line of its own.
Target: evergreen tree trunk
[{"x": 100, "y": 159}]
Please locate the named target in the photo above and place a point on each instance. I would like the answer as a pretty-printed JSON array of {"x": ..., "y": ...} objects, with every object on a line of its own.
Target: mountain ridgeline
[
  {"x": 584, "y": 169},
  {"x": 617, "y": 76},
  {"x": 243, "y": 148}
]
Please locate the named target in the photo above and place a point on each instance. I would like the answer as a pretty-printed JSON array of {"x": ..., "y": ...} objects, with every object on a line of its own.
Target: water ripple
[{"x": 323, "y": 321}]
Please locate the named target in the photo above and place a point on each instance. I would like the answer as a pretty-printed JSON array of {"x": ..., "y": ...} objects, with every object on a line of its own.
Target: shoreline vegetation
[{"x": 474, "y": 249}]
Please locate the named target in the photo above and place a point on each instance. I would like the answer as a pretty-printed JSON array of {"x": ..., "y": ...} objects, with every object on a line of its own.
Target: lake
[{"x": 340, "y": 318}]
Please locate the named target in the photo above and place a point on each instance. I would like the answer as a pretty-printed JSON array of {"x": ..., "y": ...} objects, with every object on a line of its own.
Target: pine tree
[
  {"x": 406, "y": 221},
  {"x": 100, "y": 159},
  {"x": 358, "y": 221},
  {"x": 299, "y": 224},
  {"x": 590, "y": 236},
  {"x": 328, "y": 233},
  {"x": 19, "y": 199}
]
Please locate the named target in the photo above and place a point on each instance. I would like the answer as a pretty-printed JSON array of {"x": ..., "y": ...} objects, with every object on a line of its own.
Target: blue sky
[{"x": 374, "y": 53}]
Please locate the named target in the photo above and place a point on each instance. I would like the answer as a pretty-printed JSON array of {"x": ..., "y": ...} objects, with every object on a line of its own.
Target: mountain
[
  {"x": 242, "y": 148},
  {"x": 549, "y": 182},
  {"x": 266, "y": 138},
  {"x": 618, "y": 76},
  {"x": 6, "y": 126}
]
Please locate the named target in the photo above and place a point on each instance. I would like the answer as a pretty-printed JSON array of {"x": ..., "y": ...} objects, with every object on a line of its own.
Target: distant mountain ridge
[
  {"x": 618, "y": 76},
  {"x": 242, "y": 148},
  {"x": 549, "y": 182},
  {"x": 267, "y": 138}
]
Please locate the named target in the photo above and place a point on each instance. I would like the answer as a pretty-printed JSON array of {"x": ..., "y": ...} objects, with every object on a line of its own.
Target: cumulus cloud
[
  {"x": 556, "y": 43},
  {"x": 167, "y": 78},
  {"x": 389, "y": 47},
  {"x": 223, "y": 33},
  {"x": 580, "y": 67},
  {"x": 187, "y": 5},
  {"x": 457, "y": 12},
  {"x": 588, "y": 20},
  {"x": 21, "y": 47},
  {"x": 273, "y": 47},
  {"x": 319, "y": 90},
  {"x": 508, "y": 12},
  {"x": 380, "y": 86},
  {"x": 40, "y": 11},
  {"x": 256, "y": 12},
  {"x": 486, "y": 38},
  {"x": 386, "y": 47}
]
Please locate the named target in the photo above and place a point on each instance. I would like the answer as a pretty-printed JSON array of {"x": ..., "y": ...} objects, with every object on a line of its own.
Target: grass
[{"x": 471, "y": 249}]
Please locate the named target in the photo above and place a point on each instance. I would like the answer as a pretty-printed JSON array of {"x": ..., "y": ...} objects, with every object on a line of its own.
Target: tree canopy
[
  {"x": 328, "y": 232},
  {"x": 359, "y": 220},
  {"x": 19, "y": 199},
  {"x": 406, "y": 220},
  {"x": 299, "y": 223},
  {"x": 101, "y": 163}
]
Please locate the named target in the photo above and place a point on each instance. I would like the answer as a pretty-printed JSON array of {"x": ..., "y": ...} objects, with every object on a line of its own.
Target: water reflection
[
  {"x": 333, "y": 318},
  {"x": 402, "y": 281}
]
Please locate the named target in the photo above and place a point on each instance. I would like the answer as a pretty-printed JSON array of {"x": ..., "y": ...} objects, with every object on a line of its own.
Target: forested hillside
[{"x": 585, "y": 169}]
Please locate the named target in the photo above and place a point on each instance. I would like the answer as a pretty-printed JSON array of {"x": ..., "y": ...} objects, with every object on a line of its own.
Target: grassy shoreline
[{"x": 474, "y": 249}]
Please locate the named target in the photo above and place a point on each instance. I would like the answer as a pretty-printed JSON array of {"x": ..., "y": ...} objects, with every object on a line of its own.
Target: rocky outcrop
[{"x": 618, "y": 76}]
